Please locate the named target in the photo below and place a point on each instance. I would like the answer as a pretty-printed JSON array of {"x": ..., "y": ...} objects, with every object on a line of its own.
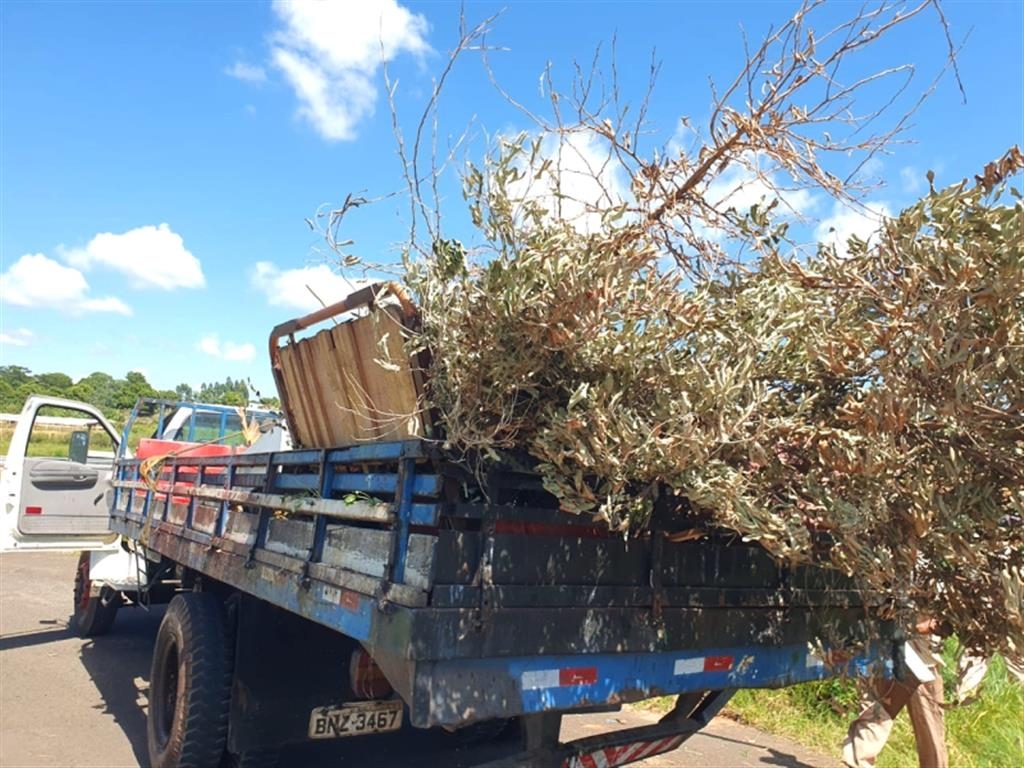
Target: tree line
[{"x": 112, "y": 395}]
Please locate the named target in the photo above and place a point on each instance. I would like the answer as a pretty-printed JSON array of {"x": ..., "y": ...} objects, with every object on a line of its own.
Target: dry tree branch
[{"x": 469, "y": 39}]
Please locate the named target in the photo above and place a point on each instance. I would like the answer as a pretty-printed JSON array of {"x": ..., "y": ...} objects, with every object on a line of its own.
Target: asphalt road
[{"x": 65, "y": 701}]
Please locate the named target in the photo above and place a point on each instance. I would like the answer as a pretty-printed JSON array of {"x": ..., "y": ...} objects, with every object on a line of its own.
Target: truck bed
[{"x": 481, "y": 600}]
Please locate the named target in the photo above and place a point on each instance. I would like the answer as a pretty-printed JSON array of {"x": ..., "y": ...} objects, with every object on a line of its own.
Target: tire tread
[
  {"x": 98, "y": 616},
  {"x": 198, "y": 741}
]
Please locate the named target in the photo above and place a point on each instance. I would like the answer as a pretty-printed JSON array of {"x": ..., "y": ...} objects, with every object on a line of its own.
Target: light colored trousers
[
  {"x": 972, "y": 671},
  {"x": 869, "y": 732}
]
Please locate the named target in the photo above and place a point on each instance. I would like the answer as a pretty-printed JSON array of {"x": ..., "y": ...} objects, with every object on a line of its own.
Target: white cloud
[
  {"x": 247, "y": 73},
  {"x": 742, "y": 185},
  {"x": 580, "y": 177},
  {"x": 331, "y": 107},
  {"x": 109, "y": 304},
  {"x": 19, "y": 337},
  {"x": 210, "y": 345},
  {"x": 228, "y": 350},
  {"x": 751, "y": 179},
  {"x": 685, "y": 139},
  {"x": 912, "y": 179},
  {"x": 36, "y": 280},
  {"x": 330, "y": 52},
  {"x": 845, "y": 222},
  {"x": 153, "y": 257},
  {"x": 294, "y": 288},
  {"x": 871, "y": 170}
]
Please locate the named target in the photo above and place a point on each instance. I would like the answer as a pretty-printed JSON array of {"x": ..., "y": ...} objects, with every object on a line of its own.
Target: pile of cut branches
[
  {"x": 877, "y": 396},
  {"x": 644, "y": 327}
]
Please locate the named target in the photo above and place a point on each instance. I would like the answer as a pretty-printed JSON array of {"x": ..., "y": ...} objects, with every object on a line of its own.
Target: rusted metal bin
[{"x": 351, "y": 382}]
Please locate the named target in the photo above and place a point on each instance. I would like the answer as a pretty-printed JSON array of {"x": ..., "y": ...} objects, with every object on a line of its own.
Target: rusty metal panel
[
  {"x": 361, "y": 550},
  {"x": 352, "y": 383}
]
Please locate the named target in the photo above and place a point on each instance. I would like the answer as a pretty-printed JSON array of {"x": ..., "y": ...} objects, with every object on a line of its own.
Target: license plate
[{"x": 355, "y": 719}]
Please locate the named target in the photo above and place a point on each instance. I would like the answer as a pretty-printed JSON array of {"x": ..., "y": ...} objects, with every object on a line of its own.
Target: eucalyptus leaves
[{"x": 876, "y": 396}]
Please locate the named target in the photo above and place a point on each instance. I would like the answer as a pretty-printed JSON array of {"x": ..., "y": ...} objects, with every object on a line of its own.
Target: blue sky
[{"x": 158, "y": 160}]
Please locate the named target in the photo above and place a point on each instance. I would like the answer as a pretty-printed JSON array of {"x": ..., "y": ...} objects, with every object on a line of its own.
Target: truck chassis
[{"x": 484, "y": 608}]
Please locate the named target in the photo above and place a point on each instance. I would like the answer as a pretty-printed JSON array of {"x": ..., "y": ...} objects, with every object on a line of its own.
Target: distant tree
[
  {"x": 98, "y": 389},
  {"x": 114, "y": 396},
  {"x": 227, "y": 392},
  {"x": 16, "y": 384},
  {"x": 9, "y": 402},
  {"x": 184, "y": 392},
  {"x": 15, "y": 375},
  {"x": 131, "y": 389},
  {"x": 6, "y": 396},
  {"x": 58, "y": 384}
]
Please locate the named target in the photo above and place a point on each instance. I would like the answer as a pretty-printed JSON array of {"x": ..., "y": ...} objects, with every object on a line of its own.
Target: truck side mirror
[{"x": 78, "y": 451}]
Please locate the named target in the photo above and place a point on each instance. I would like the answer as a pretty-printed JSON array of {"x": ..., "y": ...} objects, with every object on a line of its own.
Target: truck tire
[
  {"x": 93, "y": 614},
  {"x": 189, "y": 685}
]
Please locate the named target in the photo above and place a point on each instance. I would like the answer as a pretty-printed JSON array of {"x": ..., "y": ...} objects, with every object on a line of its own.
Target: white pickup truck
[{"x": 54, "y": 484}]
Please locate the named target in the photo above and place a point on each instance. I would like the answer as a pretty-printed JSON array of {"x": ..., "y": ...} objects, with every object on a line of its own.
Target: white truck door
[{"x": 55, "y": 478}]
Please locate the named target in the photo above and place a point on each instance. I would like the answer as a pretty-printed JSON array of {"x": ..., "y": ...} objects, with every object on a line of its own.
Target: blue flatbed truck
[{"x": 380, "y": 590}]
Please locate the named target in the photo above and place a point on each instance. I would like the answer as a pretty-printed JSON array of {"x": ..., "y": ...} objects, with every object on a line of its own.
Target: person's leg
[
  {"x": 926, "y": 713},
  {"x": 870, "y": 730}
]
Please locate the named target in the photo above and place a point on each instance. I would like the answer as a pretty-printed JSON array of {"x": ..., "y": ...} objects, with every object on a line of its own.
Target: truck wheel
[
  {"x": 189, "y": 685},
  {"x": 93, "y": 614}
]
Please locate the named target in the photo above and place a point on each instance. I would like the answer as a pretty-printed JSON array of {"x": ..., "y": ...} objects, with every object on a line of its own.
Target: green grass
[
  {"x": 988, "y": 733},
  {"x": 57, "y": 445},
  {"x": 38, "y": 446}
]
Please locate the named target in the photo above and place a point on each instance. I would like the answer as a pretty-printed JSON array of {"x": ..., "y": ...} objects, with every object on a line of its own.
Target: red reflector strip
[
  {"x": 577, "y": 676},
  {"x": 538, "y": 679},
  {"x": 610, "y": 757},
  {"x": 717, "y": 663},
  {"x": 33, "y": 510},
  {"x": 699, "y": 664},
  {"x": 343, "y": 597}
]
